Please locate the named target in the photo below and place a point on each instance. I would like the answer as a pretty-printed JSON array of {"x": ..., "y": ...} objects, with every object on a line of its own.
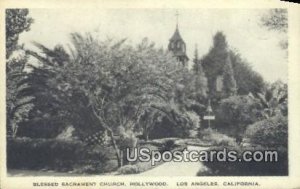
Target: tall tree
[
  {"x": 226, "y": 70},
  {"x": 48, "y": 115},
  {"x": 17, "y": 105},
  {"x": 196, "y": 57},
  {"x": 213, "y": 64},
  {"x": 118, "y": 84},
  {"x": 247, "y": 80},
  {"x": 230, "y": 87},
  {"x": 200, "y": 81},
  {"x": 214, "y": 61}
]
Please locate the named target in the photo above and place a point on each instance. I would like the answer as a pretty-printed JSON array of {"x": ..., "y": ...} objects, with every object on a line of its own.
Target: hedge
[
  {"x": 270, "y": 132},
  {"x": 59, "y": 155},
  {"x": 220, "y": 168}
]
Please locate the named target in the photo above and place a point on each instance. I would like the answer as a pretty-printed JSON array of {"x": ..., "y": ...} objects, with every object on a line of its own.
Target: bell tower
[{"x": 177, "y": 46}]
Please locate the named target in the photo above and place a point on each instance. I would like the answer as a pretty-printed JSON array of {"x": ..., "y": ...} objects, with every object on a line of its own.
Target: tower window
[
  {"x": 178, "y": 45},
  {"x": 172, "y": 45}
]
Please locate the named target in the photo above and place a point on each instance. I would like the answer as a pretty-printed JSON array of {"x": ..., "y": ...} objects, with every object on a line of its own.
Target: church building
[{"x": 178, "y": 47}]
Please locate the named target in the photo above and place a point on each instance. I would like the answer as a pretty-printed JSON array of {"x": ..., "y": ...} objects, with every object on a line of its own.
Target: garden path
[{"x": 177, "y": 168}]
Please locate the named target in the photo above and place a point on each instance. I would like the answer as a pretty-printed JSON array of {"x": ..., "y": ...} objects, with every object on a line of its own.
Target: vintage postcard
[{"x": 149, "y": 94}]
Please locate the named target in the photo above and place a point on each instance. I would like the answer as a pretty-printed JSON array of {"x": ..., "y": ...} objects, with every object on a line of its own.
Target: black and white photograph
[{"x": 147, "y": 92}]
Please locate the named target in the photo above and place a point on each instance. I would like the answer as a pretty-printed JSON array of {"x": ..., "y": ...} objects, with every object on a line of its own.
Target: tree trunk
[
  {"x": 12, "y": 130},
  {"x": 111, "y": 135},
  {"x": 117, "y": 150}
]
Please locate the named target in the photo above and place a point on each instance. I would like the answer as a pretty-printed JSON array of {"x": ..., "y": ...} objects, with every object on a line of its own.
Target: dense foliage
[
  {"x": 236, "y": 113},
  {"x": 59, "y": 155},
  {"x": 117, "y": 83},
  {"x": 247, "y": 80},
  {"x": 217, "y": 66},
  {"x": 18, "y": 105},
  {"x": 16, "y": 22},
  {"x": 271, "y": 132},
  {"x": 226, "y": 70},
  {"x": 242, "y": 168}
]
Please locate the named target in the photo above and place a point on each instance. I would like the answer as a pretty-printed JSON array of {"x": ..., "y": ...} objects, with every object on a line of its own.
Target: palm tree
[
  {"x": 274, "y": 99},
  {"x": 18, "y": 103}
]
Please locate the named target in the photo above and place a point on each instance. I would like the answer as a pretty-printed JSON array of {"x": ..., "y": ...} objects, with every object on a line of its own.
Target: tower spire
[{"x": 177, "y": 45}]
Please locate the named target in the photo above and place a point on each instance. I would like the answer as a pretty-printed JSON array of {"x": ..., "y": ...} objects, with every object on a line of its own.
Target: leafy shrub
[
  {"x": 128, "y": 169},
  {"x": 164, "y": 129},
  {"x": 270, "y": 132},
  {"x": 274, "y": 99},
  {"x": 193, "y": 133},
  {"x": 236, "y": 112},
  {"x": 221, "y": 168},
  {"x": 164, "y": 144},
  {"x": 195, "y": 120},
  {"x": 136, "y": 168},
  {"x": 58, "y": 155},
  {"x": 215, "y": 138},
  {"x": 186, "y": 121},
  {"x": 247, "y": 79}
]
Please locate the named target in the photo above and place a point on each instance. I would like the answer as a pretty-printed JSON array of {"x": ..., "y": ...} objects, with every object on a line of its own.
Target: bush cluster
[
  {"x": 220, "y": 168},
  {"x": 215, "y": 138},
  {"x": 235, "y": 113},
  {"x": 162, "y": 145},
  {"x": 270, "y": 132},
  {"x": 59, "y": 155},
  {"x": 134, "y": 169}
]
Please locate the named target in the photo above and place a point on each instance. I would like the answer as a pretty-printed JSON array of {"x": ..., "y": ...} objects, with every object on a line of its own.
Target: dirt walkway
[{"x": 177, "y": 168}]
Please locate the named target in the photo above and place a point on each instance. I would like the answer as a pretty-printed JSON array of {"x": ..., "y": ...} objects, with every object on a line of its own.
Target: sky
[{"x": 259, "y": 46}]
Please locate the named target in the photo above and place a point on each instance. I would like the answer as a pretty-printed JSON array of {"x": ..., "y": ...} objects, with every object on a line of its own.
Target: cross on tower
[{"x": 177, "y": 15}]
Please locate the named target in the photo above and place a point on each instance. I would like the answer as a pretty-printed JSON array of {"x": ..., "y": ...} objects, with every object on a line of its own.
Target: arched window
[
  {"x": 178, "y": 45},
  {"x": 183, "y": 47},
  {"x": 172, "y": 45}
]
